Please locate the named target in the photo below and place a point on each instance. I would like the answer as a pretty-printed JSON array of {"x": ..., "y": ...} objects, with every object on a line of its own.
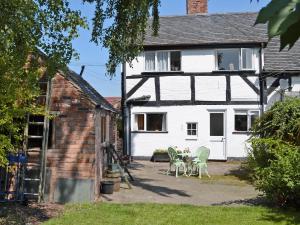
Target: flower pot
[
  {"x": 107, "y": 187},
  {"x": 160, "y": 157}
]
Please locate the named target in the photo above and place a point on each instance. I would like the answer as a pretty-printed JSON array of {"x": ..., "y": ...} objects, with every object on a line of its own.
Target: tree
[
  {"x": 283, "y": 18},
  {"x": 29, "y": 29},
  {"x": 275, "y": 154}
]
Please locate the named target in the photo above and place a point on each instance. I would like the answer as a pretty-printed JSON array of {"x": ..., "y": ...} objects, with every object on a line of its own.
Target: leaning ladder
[{"x": 35, "y": 147}]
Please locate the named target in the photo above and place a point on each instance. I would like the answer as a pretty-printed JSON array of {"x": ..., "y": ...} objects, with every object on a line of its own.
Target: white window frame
[
  {"x": 247, "y": 112},
  {"x": 156, "y": 61},
  {"x": 186, "y": 131},
  {"x": 240, "y": 58},
  {"x": 135, "y": 127}
]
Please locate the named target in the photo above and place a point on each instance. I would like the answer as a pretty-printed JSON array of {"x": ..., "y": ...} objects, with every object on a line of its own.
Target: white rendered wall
[
  {"x": 197, "y": 60},
  {"x": 210, "y": 88},
  {"x": 240, "y": 90},
  {"x": 143, "y": 144},
  {"x": 175, "y": 88}
]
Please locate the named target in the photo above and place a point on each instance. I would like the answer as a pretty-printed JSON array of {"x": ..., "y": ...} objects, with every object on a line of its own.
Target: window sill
[
  {"x": 161, "y": 72},
  {"x": 242, "y": 132},
  {"x": 191, "y": 138},
  {"x": 149, "y": 132},
  {"x": 233, "y": 71}
]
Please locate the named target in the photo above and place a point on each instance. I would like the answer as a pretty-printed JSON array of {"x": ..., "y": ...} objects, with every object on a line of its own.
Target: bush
[{"x": 274, "y": 159}]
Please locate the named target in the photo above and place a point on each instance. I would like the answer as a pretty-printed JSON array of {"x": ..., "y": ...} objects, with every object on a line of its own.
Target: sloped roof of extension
[
  {"x": 88, "y": 90},
  {"x": 226, "y": 28}
]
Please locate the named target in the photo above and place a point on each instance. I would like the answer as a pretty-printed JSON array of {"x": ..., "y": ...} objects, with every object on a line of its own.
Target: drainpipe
[
  {"x": 261, "y": 81},
  {"x": 124, "y": 109}
]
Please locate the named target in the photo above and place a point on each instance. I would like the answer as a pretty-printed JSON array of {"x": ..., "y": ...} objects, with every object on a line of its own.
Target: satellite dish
[{"x": 284, "y": 84}]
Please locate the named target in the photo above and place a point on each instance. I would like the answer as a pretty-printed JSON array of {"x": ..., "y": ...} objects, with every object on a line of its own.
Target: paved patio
[{"x": 153, "y": 185}]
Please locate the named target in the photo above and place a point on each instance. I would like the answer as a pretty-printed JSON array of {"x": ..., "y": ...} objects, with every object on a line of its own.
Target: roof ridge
[{"x": 208, "y": 14}]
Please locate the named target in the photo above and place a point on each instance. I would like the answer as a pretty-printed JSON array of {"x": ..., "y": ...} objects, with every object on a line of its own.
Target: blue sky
[{"x": 95, "y": 57}]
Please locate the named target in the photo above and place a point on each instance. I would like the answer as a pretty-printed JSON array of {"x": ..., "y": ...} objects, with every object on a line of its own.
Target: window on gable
[
  {"x": 192, "y": 129},
  {"x": 234, "y": 59},
  {"x": 150, "y": 61},
  {"x": 163, "y": 61},
  {"x": 175, "y": 61},
  {"x": 228, "y": 59},
  {"x": 155, "y": 122},
  {"x": 247, "y": 58},
  {"x": 244, "y": 119}
]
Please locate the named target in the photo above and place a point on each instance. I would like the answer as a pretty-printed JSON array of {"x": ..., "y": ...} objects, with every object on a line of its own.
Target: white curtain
[
  {"x": 150, "y": 61},
  {"x": 247, "y": 58},
  {"x": 162, "y": 61}
]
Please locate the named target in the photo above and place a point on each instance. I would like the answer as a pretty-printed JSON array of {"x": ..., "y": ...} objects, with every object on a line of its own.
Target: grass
[{"x": 163, "y": 214}]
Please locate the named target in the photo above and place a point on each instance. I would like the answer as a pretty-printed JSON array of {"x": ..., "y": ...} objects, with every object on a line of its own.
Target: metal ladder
[{"x": 35, "y": 147}]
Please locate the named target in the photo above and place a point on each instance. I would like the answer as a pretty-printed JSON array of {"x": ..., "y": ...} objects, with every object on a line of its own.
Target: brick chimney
[{"x": 196, "y": 6}]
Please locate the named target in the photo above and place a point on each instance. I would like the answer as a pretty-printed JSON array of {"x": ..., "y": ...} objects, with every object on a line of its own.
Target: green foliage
[
  {"x": 28, "y": 28},
  {"x": 124, "y": 37},
  {"x": 274, "y": 158},
  {"x": 283, "y": 18}
]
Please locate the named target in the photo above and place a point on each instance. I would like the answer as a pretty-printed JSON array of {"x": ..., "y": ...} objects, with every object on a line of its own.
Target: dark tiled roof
[
  {"x": 228, "y": 28},
  {"x": 88, "y": 90}
]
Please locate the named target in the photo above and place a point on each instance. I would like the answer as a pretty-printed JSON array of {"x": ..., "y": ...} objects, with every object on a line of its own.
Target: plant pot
[
  {"x": 107, "y": 187},
  {"x": 160, "y": 157}
]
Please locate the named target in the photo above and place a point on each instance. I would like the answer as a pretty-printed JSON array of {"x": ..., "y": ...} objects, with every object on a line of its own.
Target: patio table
[{"x": 188, "y": 160}]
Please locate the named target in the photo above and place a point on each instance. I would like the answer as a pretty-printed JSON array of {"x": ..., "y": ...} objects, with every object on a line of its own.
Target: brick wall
[
  {"x": 196, "y": 6},
  {"x": 72, "y": 154}
]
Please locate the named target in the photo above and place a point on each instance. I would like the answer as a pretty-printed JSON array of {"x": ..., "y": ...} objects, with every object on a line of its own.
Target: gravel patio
[{"x": 225, "y": 187}]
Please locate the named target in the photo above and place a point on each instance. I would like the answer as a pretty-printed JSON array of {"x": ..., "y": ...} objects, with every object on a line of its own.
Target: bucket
[{"x": 107, "y": 187}]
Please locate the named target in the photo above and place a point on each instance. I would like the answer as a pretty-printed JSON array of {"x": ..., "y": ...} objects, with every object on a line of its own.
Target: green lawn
[{"x": 156, "y": 214}]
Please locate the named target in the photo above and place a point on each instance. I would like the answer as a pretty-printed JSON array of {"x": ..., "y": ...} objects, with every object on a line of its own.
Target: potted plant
[{"x": 160, "y": 155}]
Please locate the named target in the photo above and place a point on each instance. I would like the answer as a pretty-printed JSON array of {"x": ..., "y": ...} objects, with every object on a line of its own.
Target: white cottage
[{"x": 203, "y": 81}]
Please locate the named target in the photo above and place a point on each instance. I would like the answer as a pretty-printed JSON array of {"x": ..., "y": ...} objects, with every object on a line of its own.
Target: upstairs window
[
  {"x": 234, "y": 59},
  {"x": 162, "y": 61},
  {"x": 155, "y": 122},
  {"x": 150, "y": 61},
  {"x": 244, "y": 119}
]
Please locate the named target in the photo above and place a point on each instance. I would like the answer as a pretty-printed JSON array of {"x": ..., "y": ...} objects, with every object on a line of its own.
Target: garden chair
[
  {"x": 175, "y": 161},
  {"x": 202, "y": 155}
]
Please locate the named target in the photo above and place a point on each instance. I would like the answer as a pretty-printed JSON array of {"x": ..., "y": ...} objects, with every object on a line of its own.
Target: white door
[{"x": 217, "y": 136}]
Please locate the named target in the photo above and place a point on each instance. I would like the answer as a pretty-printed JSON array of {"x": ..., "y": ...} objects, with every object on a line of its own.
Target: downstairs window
[
  {"x": 155, "y": 122},
  {"x": 244, "y": 119}
]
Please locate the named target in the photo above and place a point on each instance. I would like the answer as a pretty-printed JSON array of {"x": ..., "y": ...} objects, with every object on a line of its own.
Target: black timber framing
[
  {"x": 254, "y": 88},
  {"x": 228, "y": 88},
  {"x": 188, "y": 102},
  {"x": 157, "y": 88},
  {"x": 274, "y": 85},
  {"x": 137, "y": 86},
  {"x": 193, "y": 92},
  {"x": 245, "y": 73}
]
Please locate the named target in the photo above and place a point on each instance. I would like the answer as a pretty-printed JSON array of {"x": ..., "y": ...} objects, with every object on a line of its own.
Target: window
[
  {"x": 247, "y": 58},
  {"x": 234, "y": 59},
  {"x": 244, "y": 119},
  {"x": 163, "y": 61},
  {"x": 192, "y": 129},
  {"x": 150, "y": 61},
  {"x": 155, "y": 122},
  {"x": 175, "y": 61}
]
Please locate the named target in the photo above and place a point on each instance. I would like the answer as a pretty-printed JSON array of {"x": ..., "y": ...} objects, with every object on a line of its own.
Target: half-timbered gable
[{"x": 203, "y": 81}]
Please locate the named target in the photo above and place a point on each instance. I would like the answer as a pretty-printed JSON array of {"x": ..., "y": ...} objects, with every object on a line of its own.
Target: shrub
[{"x": 274, "y": 159}]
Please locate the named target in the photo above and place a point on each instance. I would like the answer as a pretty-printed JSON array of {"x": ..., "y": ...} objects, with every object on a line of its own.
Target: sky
[{"x": 94, "y": 57}]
